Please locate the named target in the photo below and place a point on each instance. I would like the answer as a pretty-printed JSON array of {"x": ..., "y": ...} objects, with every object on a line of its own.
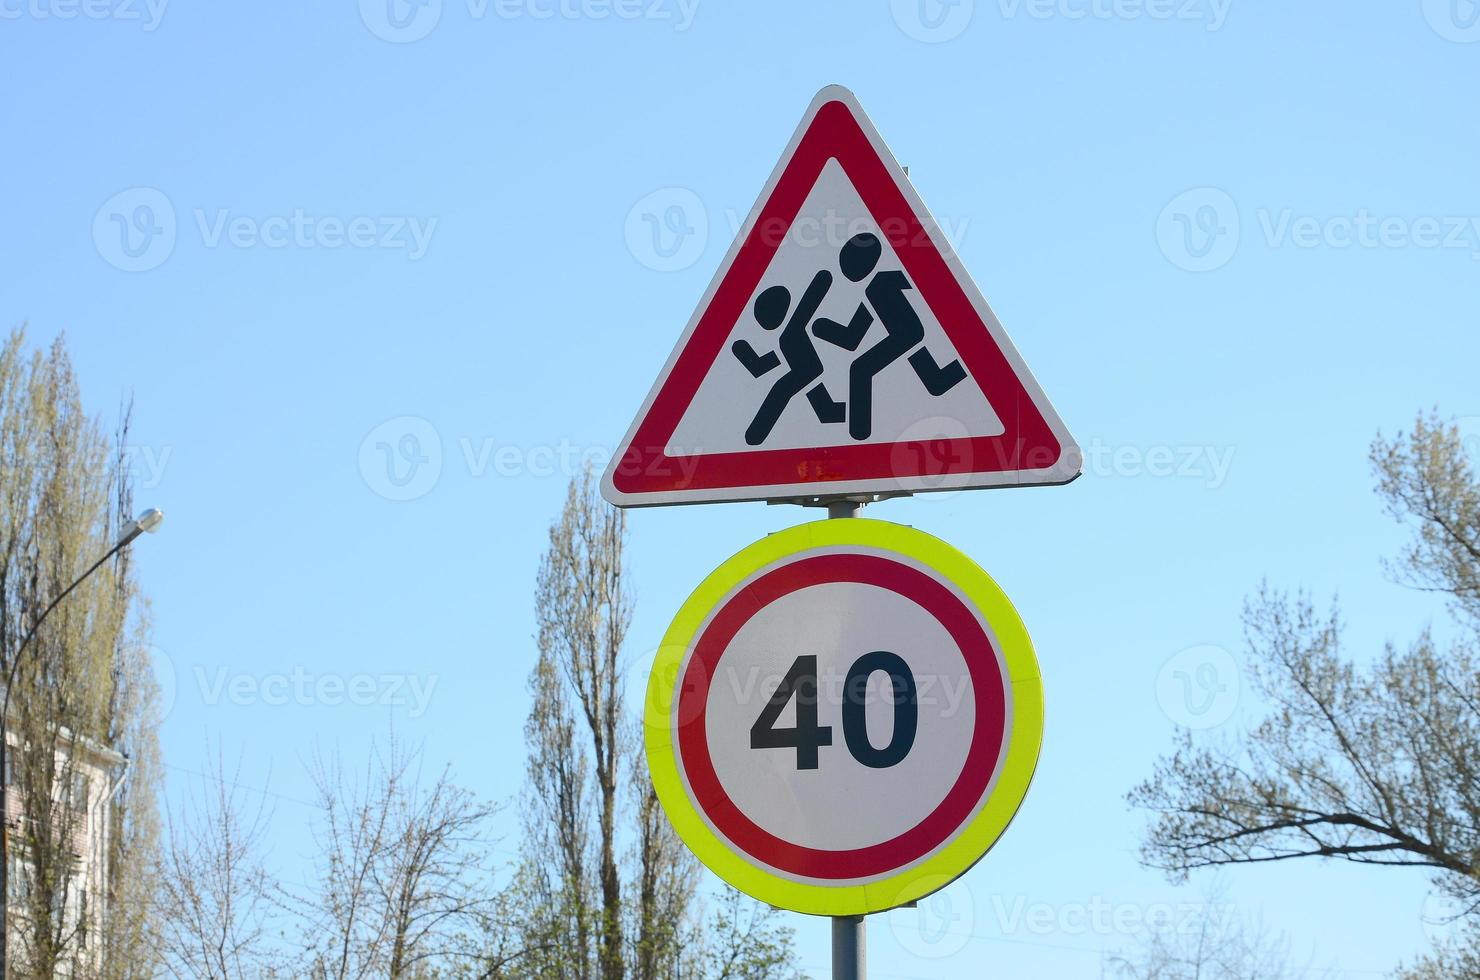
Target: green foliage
[{"x": 84, "y": 681}]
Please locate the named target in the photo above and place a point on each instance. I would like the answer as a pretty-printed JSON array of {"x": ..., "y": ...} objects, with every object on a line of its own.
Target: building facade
[{"x": 87, "y": 779}]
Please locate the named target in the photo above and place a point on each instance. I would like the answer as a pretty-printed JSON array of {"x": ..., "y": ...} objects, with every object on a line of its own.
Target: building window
[{"x": 20, "y": 876}]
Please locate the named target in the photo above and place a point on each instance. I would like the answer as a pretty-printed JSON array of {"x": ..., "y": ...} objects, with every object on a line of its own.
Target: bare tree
[
  {"x": 128, "y": 948},
  {"x": 666, "y": 876},
  {"x": 1212, "y": 942},
  {"x": 436, "y": 879},
  {"x": 83, "y": 700},
  {"x": 743, "y": 940},
  {"x": 216, "y": 897},
  {"x": 583, "y": 609},
  {"x": 586, "y": 913},
  {"x": 1378, "y": 765},
  {"x": 1427, "y": 481},
  {"x": 554, "y": 879},
  {"x": 404, "y": 884},
  {"x": 1455, "y": 959}
]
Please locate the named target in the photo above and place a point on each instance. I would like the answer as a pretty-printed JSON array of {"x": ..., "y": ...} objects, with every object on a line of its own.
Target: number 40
[{"x": 807, "y": 735}]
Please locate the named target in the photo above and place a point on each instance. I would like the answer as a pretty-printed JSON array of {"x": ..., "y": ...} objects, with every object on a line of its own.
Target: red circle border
[{"x": 982, "y": 759}]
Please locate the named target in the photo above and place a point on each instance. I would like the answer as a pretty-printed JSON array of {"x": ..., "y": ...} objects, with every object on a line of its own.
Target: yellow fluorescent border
[{"x": 1025, "y": 693}]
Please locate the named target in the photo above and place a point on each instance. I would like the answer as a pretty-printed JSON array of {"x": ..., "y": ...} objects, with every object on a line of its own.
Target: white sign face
[
  {"x": 838, "y": 716},
  {"x": 924, "y": 735},
  {"x": 841, "y": 349}
]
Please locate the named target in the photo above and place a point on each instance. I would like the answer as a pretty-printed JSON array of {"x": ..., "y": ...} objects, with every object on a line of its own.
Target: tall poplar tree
[{"x": 84, "y": 688}]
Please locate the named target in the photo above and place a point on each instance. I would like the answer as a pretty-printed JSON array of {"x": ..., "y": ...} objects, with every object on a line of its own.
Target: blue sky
[{"x": 1232, "y": 239}]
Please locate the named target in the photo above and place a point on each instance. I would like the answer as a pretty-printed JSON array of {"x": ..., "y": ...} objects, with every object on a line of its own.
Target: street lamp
[{"x": 148, "y": 521}]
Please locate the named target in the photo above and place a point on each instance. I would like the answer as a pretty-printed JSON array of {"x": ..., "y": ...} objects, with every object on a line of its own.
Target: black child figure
[
  {"x": 903, "y": 331},
  {"x": 803, "y": 366}
]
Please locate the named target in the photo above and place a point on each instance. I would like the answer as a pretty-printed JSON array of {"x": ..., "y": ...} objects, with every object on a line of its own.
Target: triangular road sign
[{"x": 841, "y": 349}]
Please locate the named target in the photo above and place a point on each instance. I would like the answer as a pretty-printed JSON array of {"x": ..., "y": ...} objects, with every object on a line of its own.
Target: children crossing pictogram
[{"x": 903, "y": 333}]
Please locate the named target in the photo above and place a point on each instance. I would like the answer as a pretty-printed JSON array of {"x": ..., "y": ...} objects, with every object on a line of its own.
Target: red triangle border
[{"x": 1029, "y": 442}]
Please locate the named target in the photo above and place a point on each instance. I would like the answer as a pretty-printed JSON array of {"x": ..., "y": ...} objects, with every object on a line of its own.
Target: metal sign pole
[
  {"x": 844, "y": 508},
  {"x": 849, "y": 937},
  {"x": 848, "y": 959}
]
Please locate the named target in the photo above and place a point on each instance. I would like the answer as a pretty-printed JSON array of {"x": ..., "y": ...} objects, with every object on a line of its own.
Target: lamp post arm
[{"x": 15, "y": 661}]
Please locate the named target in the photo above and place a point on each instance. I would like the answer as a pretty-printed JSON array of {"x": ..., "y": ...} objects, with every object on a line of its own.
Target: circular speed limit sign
[{"x": 844, "y": 717}]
